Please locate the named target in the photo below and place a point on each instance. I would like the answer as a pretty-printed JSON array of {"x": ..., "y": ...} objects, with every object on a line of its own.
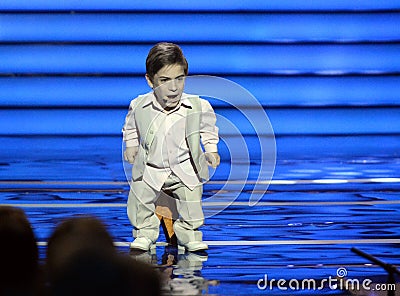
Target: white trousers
[{"x": 141, "y": 210}]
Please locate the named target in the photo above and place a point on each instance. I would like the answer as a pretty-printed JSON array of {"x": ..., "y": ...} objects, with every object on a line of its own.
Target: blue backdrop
[{"x": 317, "y": 67}]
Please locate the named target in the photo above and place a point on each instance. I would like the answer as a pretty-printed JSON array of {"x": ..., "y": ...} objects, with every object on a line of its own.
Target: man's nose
[{"x": 172, "y": 85}]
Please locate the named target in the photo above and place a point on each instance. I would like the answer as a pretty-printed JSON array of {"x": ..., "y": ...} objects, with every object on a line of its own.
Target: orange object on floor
[{"x": 164, "y": 213}]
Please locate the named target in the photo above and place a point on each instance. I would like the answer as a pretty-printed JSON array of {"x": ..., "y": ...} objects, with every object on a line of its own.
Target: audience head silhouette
[
  {"x": 82, "y": 260},
  {"x": 18, "y": 253}
]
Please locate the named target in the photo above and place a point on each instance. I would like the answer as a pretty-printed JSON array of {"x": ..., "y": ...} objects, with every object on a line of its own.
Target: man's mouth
[{"x": 172, "y": 97}]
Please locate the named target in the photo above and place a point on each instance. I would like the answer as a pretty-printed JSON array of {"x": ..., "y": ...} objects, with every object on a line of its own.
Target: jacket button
[{"x": 151, "y": 132}]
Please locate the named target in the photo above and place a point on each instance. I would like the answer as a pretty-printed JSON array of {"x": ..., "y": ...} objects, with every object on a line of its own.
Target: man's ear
[{"x": 149, "y": 82}]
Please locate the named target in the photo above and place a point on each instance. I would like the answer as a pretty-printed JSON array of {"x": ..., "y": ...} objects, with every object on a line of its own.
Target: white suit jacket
[{"x": 200, "y": 128}]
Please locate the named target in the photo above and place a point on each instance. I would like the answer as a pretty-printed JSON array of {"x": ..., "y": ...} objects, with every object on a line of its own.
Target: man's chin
[
  {"x": 172, "y": 102},
  {"x": 170, "y": 106}
]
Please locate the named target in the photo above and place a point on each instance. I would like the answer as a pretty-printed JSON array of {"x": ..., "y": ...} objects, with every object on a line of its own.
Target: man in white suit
[{"x": 163, "y": 131}]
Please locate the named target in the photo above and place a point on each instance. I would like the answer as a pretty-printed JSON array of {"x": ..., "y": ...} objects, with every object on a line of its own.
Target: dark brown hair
[
  {"x": 71, "y": 236},
  {"x": 19, "y": 255},
  {"x": 162, "y": 54}
]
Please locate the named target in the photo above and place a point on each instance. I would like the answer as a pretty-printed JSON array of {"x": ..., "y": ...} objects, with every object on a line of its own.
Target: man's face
[{"x": 168, "y": 85}]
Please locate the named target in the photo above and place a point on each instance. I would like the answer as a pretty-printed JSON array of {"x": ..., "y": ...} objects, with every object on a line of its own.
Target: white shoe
[
  {"x": 141, "y": 243},
  {"x": 196, "y": 246}
]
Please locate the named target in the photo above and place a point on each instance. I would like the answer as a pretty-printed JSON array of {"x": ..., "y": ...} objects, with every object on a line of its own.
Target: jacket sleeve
[
  {"x": 208, "y": 129},
  {"x": 129, "y": 130}
]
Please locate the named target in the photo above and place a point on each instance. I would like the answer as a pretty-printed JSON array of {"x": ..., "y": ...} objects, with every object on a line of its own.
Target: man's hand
[
  {"x": 213, "y": 159},
  {"x": 130, "y": 153}
]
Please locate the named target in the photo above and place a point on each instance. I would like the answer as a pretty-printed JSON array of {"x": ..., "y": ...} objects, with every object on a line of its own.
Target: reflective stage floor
[{"x": 327, "y": 195}]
